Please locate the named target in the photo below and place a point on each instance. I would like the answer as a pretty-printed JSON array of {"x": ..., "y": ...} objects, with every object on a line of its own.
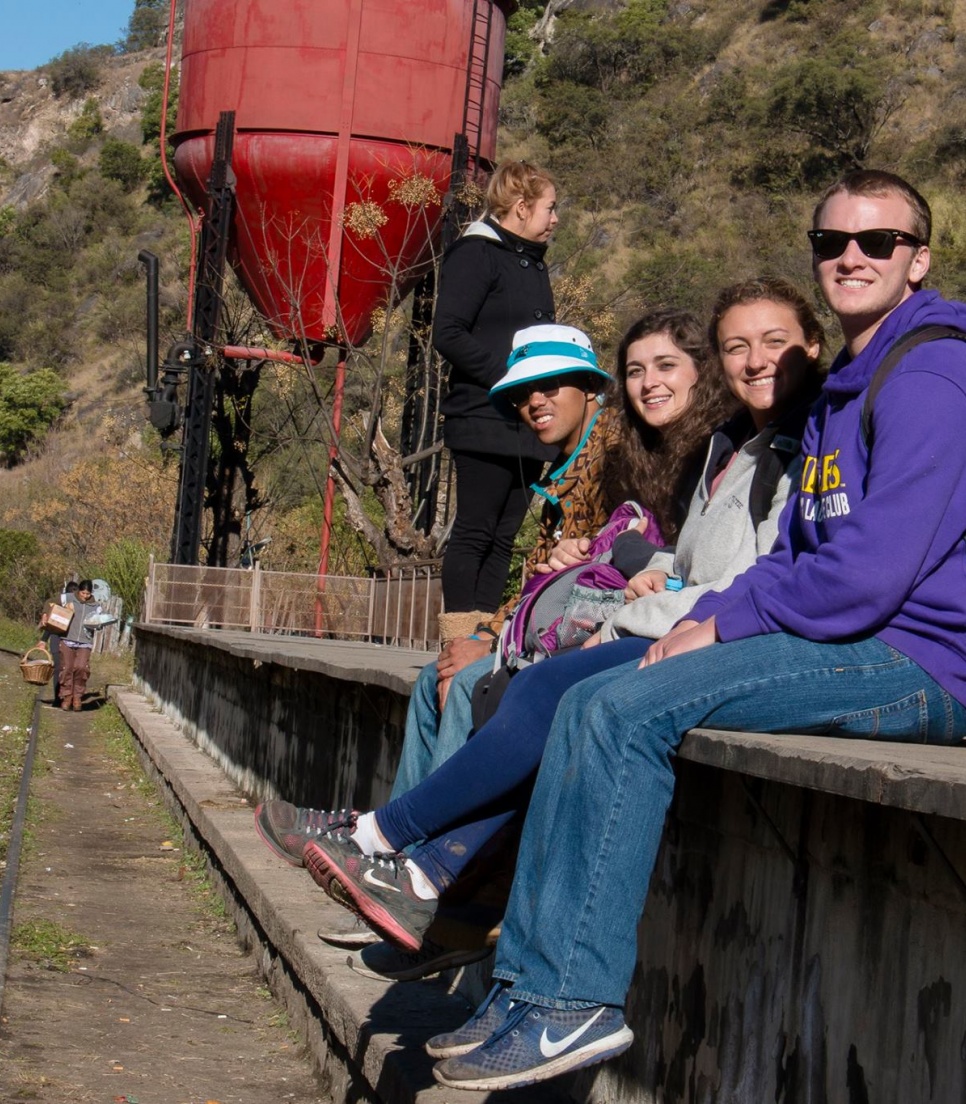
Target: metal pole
[{"x": 333, "y": 456}]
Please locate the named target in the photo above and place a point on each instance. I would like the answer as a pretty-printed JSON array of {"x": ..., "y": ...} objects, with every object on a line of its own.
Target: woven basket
[{"x": 39, "y": 671}]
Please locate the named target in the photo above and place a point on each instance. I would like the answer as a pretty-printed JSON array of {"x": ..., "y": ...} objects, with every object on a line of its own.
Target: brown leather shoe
[
  {"x": 65, "y": 704},
  {"x": 78, "y": 705}
]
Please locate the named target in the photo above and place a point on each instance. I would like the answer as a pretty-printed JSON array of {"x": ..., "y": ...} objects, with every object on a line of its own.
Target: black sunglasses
[
  {"x": 877, "y": 244},
  {"x": 517, "y": 396}
]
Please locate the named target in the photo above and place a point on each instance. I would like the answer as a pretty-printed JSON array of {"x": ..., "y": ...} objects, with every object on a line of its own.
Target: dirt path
[{"x": 158, "y": 1004}]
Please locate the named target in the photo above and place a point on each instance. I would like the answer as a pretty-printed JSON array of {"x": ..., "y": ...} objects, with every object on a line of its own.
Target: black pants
[{"x": 492, "y": 496}]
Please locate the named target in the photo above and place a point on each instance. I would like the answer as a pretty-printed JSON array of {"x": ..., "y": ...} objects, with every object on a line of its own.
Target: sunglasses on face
[
  {"x": 520, "y": 394},
  {"x": 877, "y": 244}
]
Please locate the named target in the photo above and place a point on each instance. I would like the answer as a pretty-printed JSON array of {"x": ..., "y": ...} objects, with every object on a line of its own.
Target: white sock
[
  {"x": 422, "y": 886},
  {"x": 367, "y": 836}
]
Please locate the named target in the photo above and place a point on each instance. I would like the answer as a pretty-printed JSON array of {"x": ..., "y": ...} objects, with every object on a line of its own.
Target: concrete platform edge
[{"x": 356, "y": 1028}]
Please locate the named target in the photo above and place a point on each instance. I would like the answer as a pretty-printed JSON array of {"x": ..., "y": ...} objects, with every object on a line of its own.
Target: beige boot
[{"x": 452, "y": 625}]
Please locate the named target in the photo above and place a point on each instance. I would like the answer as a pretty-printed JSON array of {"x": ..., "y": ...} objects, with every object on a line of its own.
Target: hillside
[{"x": 689, "y": 138}]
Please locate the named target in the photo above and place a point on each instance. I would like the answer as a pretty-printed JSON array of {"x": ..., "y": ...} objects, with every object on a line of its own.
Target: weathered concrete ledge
[
  {"x": 805, "y": 934},
  {"x": 366, "y": 1035},
  {"x": 930, "y": 780},
  {"x": 917, "y": 777},
  {"x": 318, "y": 722}
]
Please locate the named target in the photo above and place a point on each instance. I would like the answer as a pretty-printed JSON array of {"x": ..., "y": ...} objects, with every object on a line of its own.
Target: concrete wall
[
  {"x": 805, "y": 935},
  {"x": 277, "y": 718}
]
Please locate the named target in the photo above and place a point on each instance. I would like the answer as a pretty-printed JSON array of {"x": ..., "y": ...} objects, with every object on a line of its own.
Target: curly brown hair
[{"x": 658, "y": 467}]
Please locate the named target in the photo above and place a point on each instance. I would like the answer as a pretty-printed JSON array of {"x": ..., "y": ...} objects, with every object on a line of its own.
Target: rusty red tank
[{"x": 345, "y": 117}]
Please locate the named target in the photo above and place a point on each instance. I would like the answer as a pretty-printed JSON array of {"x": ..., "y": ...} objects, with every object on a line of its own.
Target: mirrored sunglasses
[{"x": 877, "y": 244}]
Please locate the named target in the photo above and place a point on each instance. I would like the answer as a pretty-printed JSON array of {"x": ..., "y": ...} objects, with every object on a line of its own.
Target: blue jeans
[
  {"x": 597, "y": 814},
  {"x": 460, "y": 807},
  {"x": 431, "y": 737}
]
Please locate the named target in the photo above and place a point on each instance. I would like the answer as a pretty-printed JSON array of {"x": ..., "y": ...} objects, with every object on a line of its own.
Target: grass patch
[
  {"x": 112, "y": 669},
  {"x": 16, "y": 708},
  {"x": 194, "y": 874},
  {"x": 16, "y": 636},
  {"x": 47, "y": 943},
  {"x": 120, "y": 745}
]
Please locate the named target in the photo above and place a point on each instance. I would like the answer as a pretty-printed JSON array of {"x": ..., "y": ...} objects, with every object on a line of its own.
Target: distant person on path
[
  {"x": 493, "y": 282},
  {"x": 52, "y": 640},
  {"x": 76, "y": 647}
]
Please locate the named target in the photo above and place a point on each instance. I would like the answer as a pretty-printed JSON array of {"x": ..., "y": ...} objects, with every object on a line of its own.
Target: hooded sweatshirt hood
[
  {"x": 849, "y": 376},
  {"x": 491, "y": 230}
]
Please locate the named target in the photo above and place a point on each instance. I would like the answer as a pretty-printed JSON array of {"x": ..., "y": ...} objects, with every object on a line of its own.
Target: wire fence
[{"x": 399, "y": 607}]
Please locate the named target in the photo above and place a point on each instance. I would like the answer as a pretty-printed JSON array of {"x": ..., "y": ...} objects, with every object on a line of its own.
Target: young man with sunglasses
[{"x": 852, "y": 626}]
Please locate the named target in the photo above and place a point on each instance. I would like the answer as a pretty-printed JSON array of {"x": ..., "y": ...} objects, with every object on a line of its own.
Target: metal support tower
[{"x": 206, "y": 316}]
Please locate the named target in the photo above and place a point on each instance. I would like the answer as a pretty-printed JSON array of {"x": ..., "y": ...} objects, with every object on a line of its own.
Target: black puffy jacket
[{"x": 492, "y": 283}]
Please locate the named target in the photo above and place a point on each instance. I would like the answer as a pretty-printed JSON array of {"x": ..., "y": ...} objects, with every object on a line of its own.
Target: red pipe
[{"x": 249, "y": 352}]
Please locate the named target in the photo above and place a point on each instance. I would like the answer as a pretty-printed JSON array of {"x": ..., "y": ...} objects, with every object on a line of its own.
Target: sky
[{"x": 34, "y": 31}]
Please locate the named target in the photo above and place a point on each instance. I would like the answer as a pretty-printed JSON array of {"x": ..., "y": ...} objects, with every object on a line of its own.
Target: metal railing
[{"x": 398, "y": 607}]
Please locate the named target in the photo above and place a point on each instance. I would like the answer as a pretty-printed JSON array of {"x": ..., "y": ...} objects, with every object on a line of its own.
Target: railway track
[{"x": 8, "y": 886}]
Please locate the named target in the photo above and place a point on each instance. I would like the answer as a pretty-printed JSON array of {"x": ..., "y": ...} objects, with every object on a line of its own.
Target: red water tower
[{"x": 338, "y": 104}]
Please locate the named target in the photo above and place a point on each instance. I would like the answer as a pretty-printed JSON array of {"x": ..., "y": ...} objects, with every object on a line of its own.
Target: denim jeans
[
  {"x": 597, "y": 814},
  {"x": 431, "y": 737},
  {"x": 460, "y": 807}
]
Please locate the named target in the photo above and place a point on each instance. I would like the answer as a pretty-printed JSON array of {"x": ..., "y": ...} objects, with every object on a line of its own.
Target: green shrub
[
  {"x": 30, "y": 402},
  {"x": 519, "y": 49},
  {"x": 152, "y": 80},
  {"x": 16, "y": 298},
  {"x": 75, "y": 71},
  {"x": 125, "y": 567},
  {"x": 839, "y": 100},
  {"x": 121, "y": 161},
  {"x": 573, "y": 114},
  {"x": 49, "y": 334},
  {"x": 28, "y": 576},
  {"x": 68, "y": 168},
  {"x": 147, "y": 25},
  {"x": 87, "y": 125}
]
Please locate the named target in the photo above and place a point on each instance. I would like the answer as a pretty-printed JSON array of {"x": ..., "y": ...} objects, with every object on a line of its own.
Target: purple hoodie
[{"x": 872, "y": 543}]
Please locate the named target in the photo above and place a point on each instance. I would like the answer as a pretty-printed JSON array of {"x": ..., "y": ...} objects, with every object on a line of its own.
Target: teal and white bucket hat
[{"x": 542, "y": 352}]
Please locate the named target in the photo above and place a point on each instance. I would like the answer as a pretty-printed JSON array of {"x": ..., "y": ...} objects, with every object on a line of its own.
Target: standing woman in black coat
[{"x": 493, "y": 282}]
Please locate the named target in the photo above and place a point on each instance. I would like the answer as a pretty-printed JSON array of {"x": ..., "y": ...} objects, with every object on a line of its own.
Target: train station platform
[{"x": 805, "y": 935}]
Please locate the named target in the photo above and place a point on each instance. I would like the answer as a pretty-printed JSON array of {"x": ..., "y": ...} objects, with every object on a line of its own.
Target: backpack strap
[
  {"x": 783, "y": 448},
  {"x": 896, "y": 351}
]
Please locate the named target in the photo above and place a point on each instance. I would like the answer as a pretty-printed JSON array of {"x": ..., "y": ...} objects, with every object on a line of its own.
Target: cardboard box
[{"x": 57, "y": 618}]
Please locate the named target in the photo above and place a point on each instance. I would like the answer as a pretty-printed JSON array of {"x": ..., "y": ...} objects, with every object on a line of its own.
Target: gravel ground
[{"x": 125, "y": 982}]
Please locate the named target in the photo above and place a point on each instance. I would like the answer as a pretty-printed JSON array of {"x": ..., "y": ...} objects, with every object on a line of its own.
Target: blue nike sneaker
[
  {"x": 534, "y": 1043},
  {"x": 477, "y": 1029}
]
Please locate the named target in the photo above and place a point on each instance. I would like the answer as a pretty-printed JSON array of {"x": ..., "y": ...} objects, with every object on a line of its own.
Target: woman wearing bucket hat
[
  {"x": 649, "y": 452},
  {"x": 493, "y": 282},
  {"x": 555, "y": 387}
]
